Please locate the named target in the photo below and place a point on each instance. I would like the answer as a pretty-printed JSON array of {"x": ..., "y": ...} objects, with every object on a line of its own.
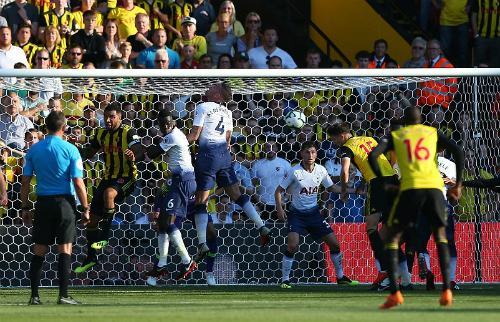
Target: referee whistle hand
[
  {"x": 27, "y": 217},
  {"x": 85, "y": 218}
]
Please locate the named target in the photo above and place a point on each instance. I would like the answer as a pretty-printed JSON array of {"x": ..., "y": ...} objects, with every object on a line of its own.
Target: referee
[{"x": 58, "y": 168}]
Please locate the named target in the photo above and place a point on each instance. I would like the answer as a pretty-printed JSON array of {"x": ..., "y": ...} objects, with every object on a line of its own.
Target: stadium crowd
[{"x": 192, "y": 34}]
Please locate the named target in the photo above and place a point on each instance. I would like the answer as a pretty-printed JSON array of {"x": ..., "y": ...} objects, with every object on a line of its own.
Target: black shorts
[
  {"x": 410, "y": 204},
  {"x": 124, "y": 187},
  {"x": 54, "y": 220},
  {"x": 380, "y": 200}
]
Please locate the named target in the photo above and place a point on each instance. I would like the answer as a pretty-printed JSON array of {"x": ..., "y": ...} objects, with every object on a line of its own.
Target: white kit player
[
  {"x": 212, "y": 127},
  {"x": 303, "y": 183},
  {"x": 175, "y": 150}
]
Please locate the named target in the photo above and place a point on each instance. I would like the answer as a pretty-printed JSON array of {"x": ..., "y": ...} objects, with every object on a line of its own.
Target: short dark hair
[
  {"x": 362, "y": 54},
  {"x": 90, "y": 13},
  {"x": 338, "y": 129},
  {"x": 115, "y": 106},
  {"x": 55, "y": 121},
  {"x": 227, "y": 93},
  {"x": 381, "y": 41},
  {"x": 412, "y": 115},
  {"x": 307, "y": 145}
]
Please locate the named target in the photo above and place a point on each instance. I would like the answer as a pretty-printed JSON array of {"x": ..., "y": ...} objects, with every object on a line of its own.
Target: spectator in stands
[
  {"x": 235, "y": 27},
  {"x": 88, "y": 5},
  {"x": 50, "y": 85},
  {"x": 437, "y": 92},
  {"x": 253, "y": 36},
  {"x": 260, "y": 56},
  {"x": 189, "y": 37},
  {"x": 379, "y": 55},
  {"x": 313, "y": 58},
  {"x": 112, "y": 40},
  {"x": 126, "y": 53},
  {"x": 146, "y": 57},
  {"x": 267, "y": 173},
  {"x": 20, "y": 12},
  {"x": 10, "y": 54},
  {"x": 176, "y": 11},
  {"x": 418, "y": 50},
  {"x": 24, "y": 42},
  {"x": 89, "y": 40},
  {"x": 74, "y": 107},
  {"x": 454, "y": 31},
  {"x": 161, "y": 59},
  {"x": 3, "y": 22},
  {"x": 362, "y": 62},
  {"x": 205, "y": 62},
  {"x": 363, "y": 59},
  {"x": 142, "y": 39},
  {"x": 221, "y": 41},
  {"x": 225, "y": 62},
  {"x": 204, "y": 13},
  {"x": 74, "y": 57},
  {"x": 125, "y": 15},
  {"x": 486, "y": 32},
  {"x": 13, "y": 125},
  {"x": 241, "y": 60},
  {"x": 33, "y": 106},
  {"x": 61, "y": 18},
  {"x": 188, "y": 57},
  {"x": 52, "y": 42}
]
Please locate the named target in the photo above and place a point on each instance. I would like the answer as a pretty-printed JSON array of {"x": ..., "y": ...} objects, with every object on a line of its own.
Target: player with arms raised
[
  {"x": 212, "y": 127},
  {"x": 175, "y": 149},
  {"x": 421, "y": 192},
  {"x": 303, "y": 182},
  {"x": 119, "y": 144}
]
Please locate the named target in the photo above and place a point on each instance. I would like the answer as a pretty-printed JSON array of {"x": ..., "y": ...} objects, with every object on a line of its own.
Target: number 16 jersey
[
  {"x": 416, "y": 151},
  {"x": 216, "y": 120}
]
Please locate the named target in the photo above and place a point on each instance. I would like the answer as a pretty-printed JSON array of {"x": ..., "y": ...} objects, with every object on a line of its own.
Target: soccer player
[
  {"x": 302, "y": 182},
  {"x": 212, "y": 125},
  {"x": 447, "y": 169},
  {"x": 211, "y": 233},
  {"x": 175, "y": 149},
  {"x": 58, "y": 167},
  {"x": 420, "y": 192},
  {"x": 355, "y": 149},
  {"x": 120, "y": 145}
]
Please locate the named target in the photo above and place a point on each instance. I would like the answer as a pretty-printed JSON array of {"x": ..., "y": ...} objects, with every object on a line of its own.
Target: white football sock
[
  {"x": 163, "y": 242},
  {"x": 337, "y": 262},
  {"x": 201, "y": 221},
  {"x": 286, "y": 268},
  {"x": 176, "y": 238},
  {"x": 250, "y": 211},
  {"x": 453, "y": 268}
]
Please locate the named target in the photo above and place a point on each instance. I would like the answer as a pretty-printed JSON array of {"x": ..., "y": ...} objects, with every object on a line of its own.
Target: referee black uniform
[{"x": 59, "y": 170}]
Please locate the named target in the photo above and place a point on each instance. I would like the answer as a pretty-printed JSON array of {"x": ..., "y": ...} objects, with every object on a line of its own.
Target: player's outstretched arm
[
  {"x": 279, "y": 206},
  {"x": 493, "y": 184},
  {"x": 194, "y": 134}
]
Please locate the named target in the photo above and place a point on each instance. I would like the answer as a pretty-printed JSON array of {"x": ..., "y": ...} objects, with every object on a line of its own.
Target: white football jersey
[
  {"x": 270, "y": 173},
  {"x": 216, "y": 120},
  {"x": 304, "y": 186},
  {"x": 177, "y": 155}
]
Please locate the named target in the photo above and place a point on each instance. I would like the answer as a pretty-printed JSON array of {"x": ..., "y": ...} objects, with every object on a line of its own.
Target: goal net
[{"x": 464, "y": 104}]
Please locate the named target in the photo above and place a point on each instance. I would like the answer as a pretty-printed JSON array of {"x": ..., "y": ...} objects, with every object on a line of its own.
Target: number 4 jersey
[
  {"x": 416, "y": 151},
  {"x": 216, "y": 120}
]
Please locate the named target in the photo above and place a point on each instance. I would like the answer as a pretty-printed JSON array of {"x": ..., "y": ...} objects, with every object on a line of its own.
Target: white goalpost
[{"x": 462, "y": 103}]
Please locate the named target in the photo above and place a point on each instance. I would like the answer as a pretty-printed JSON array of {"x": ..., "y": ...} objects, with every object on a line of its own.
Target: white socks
[
  {"x": 163, "y": 242},
  {"x": 176, "y": 238},
  {"x": 337, "y": 262},
  {"x": 286, "y": 268},
  {"x": 250, "y": 211}
]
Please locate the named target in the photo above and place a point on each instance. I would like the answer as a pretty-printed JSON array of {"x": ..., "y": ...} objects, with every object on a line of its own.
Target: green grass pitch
[{"x": 249, "y": 303}]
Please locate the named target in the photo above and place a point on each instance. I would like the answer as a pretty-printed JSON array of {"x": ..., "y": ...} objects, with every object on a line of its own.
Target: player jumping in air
[
  {"x": 212, "y": 127},
  {"x": 302, "y": 182}
]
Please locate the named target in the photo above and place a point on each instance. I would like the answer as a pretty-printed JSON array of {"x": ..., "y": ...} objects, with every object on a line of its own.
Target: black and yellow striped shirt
[
  {"x": 488, "y": 17},
  {"x": 30, "y": 50},
  {"x": 57, "y": 56},
  {"x": 161, "y": 5},
  {"x": 175, "y": 14},
  {"x": 50, "y": 18},
  {"x": 113, "y": 145}
]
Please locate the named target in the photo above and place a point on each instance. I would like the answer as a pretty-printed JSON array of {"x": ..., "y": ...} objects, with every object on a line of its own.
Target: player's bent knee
[
  {"x": 242, "y": 200},
  {"x": 110, "y": 194}
]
